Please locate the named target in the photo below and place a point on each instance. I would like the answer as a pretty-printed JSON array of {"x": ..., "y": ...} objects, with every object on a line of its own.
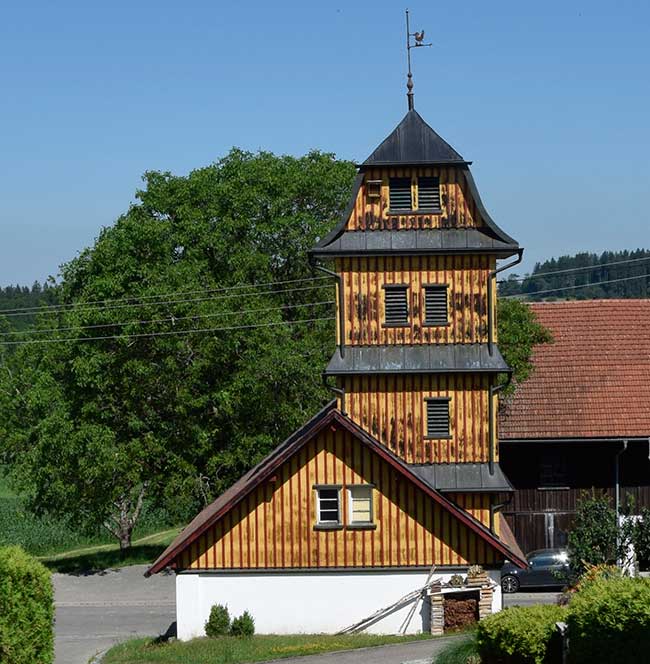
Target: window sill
[
  {"x": 438, "y": 437},
  {"x": 361, "y": 526},
  {"x": 328, "y": 526},
  {"x": 411, "y": 213},
  {"x": 396, "y": 325},
  {"x": 425, "y": 324}
]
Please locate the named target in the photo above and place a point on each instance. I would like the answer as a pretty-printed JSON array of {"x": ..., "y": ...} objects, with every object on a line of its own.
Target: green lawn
[{"x": 232, "y": 650}]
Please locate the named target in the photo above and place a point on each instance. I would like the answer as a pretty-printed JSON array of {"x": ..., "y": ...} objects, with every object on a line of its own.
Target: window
[
  {"x": 360, "y": 503},
  {"x": 373, "y": 188},
  {"x": 438, "y": 418},
  {"x": 435, "y": 305},
  {"x": 429, "y": 194},
  {"x": 400, "y": 194},
  {"x": 552, "y": 471},
  {"x": 396, "y": 306},
  {"x": 328, "y": 505}
]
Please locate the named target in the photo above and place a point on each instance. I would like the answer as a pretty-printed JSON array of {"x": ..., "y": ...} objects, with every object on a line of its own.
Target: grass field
[
  {"x": 64, "y": 549},
  {"x": 230, "y": 650}
]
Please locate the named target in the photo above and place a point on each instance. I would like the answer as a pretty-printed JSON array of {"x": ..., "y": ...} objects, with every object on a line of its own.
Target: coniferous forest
[{"x": 584, "y": 276}]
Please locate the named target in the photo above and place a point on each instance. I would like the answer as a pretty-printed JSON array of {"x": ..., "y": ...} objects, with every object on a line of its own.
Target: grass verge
[
  {"x": 231, "y": 650},
  {"x": 93, "y": 559},
  {"x": 463, "y": 651}
]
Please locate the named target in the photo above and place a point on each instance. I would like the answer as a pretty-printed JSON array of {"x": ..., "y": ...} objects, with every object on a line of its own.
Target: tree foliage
[
  {"x": 518, "y": 333},
  {"x": 629, "y": 277},
  {"x": 97, "y": 429}
]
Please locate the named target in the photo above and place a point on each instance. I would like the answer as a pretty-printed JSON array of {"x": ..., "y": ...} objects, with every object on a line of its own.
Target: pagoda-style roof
[{"x": 413, "y": 141}]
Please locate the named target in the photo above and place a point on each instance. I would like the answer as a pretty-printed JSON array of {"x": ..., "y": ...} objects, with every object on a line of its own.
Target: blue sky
[{"x": 550, "y": 100}]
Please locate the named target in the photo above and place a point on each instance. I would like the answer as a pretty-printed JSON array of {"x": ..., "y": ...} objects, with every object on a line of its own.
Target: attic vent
[
  {"x": 400, "y": 194},
  {"x": 435, "y": 305},
  {"x": 428, "y": 194},
  {"x": 396, "y": 305},
  {"x": 438, "y": 418},
  {"x": 373, "y": 188}
]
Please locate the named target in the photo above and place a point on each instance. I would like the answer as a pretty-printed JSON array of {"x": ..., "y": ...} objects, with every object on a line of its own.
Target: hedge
[
  {"x": 521, "y": 635},
  {"x": 26, "y": 609},
  {"x": 609, "y": 621}
]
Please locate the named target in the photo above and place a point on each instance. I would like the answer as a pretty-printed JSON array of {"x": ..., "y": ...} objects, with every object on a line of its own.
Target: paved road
[
  {"x": 95, "y": 611},
  {"x": 530, "y": 598}
]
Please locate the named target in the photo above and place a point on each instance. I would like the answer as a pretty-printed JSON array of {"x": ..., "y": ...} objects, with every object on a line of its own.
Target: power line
[
  {"x": 46, "y": 307},
  {"x": 565, "y": 288},
  {"x": 163, "y": 334},
  {"x": 573, "y": 269},
  {"x": 169, "y": 319},
  {"x": 146, "y": 304}
]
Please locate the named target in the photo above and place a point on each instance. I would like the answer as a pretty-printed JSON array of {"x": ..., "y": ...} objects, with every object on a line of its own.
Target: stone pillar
[
  {"x": 437, "y": 613},
  {"x": 485, "y": 602}
]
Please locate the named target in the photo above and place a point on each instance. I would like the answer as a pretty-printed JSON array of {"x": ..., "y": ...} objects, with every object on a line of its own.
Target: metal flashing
[{"x": 472, "y": 477}]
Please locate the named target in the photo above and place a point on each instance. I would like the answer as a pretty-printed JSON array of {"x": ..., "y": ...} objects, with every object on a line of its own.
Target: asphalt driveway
[{"x": 95, "y": 611}]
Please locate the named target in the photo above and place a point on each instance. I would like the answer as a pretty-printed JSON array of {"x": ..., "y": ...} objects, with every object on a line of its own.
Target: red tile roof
[{"x": 593, "y": 381}]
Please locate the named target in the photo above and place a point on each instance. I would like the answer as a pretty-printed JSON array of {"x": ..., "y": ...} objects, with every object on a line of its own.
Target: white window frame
[
  {"x": 357, "y": 487},
  {"x": 317, "y": 489}
]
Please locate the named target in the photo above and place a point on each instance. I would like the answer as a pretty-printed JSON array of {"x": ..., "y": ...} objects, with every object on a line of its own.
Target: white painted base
[{"x": 306, "y": 602}]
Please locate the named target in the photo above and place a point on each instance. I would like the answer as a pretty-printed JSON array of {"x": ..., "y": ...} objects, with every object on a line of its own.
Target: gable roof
[
  {"x": 413, "y": 141},
  {"x": 328, "y": 416},
  {"x": 593, "y": 381}
]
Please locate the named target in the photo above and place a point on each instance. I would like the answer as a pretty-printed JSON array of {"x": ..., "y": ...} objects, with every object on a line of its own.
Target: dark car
[{"x": 546, "y": 568}]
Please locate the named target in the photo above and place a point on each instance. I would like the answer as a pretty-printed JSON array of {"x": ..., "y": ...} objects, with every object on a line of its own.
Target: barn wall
[
  {"x": 363, "y": 296},
  {"x": 393, "y": 410},
  {"x": 458, "y": 209},
  {"x": 274, "y": 526}
]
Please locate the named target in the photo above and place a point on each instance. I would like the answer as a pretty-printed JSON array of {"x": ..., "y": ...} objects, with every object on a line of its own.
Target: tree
[
  {"x": 97, "y": 429},
  {"x": 518, "y": 332},
  {"x": 593, "y": 538}
]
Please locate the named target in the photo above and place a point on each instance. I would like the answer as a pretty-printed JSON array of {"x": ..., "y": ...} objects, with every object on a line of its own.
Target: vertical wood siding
[
  {"x": 274, "y": 526},
  {"x": 478, "y": 505},
  {"x": 364, "y": 279},
  {"x": 393, "y": 410},
  {"x": 458, "y": 209}
]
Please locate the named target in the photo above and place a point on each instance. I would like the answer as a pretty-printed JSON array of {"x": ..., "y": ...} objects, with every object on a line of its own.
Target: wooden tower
[{"x": 417, "y": 364}]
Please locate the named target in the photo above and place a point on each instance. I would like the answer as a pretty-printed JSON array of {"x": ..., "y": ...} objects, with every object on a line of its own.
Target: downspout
[
  {"x": 339, "y": 284},
  {"x": 494, "y": 389},
  {"x": 495, "y": 507},
  {"x": 339, "y": 391},
  {"x": 490, "y": 295},
  {"x": 618, "y": 496}
]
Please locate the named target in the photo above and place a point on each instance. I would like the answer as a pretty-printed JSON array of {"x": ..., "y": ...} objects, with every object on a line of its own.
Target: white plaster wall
[{"x": 307, "y": 602}]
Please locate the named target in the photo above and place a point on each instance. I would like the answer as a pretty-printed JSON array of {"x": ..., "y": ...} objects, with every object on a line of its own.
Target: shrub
[
  {"x": 243, "y": 626},
  {"x": 640, "y": 536},
  {"x": 218, "y": 624},
  {"x": 609, "y": 621},
  {"x": 521, "y": 635},
  {"x": 26, "y": 609}
]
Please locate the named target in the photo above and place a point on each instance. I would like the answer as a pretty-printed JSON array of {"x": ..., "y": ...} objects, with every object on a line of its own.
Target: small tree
[
  {"x": 244, "y": 625},
  {"x": 593, "y": 538},
  {"x": 218, "y": 624}
]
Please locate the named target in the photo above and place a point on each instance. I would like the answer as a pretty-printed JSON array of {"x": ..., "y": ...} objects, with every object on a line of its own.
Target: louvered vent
[
  {"x": 435, "y": 305},
  {"x": 397, "y": 310},
  {"x": 437, "y": 418},
  {"x": 428, "y": 194},
  {"x": 400, "y": 194}
]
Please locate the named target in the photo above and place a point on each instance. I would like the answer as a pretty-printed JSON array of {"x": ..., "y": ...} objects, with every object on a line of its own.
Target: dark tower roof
[{"x": 413, "y": 142}]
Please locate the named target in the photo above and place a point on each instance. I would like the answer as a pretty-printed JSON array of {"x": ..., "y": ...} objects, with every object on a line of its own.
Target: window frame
[
  {"x": 428, "y": 400},
  {"x": 360, "y": 525},
  {"x": 373, "y": 189},
  {"x": 327, "y": 525},
  {"x": 405, "y": 288},
  {"x": 432, "y": 286}
]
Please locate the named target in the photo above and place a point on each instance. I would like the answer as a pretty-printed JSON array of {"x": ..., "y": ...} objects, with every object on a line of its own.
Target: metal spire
[{"x": 419, "y": 37}]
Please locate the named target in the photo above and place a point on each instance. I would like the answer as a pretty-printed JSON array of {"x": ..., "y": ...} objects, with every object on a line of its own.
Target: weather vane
[{"x": 419, "y": 39}]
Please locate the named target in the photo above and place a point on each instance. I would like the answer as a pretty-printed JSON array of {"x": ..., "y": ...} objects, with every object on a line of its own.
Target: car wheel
[{"x": 510, "y": 584}]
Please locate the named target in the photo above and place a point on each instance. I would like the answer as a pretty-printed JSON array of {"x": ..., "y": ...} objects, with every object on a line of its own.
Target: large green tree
[{"x": 95, "y": 429}]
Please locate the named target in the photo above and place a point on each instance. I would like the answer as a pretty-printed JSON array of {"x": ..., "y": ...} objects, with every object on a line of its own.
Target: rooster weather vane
[{"x": 419, "y": 39}]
